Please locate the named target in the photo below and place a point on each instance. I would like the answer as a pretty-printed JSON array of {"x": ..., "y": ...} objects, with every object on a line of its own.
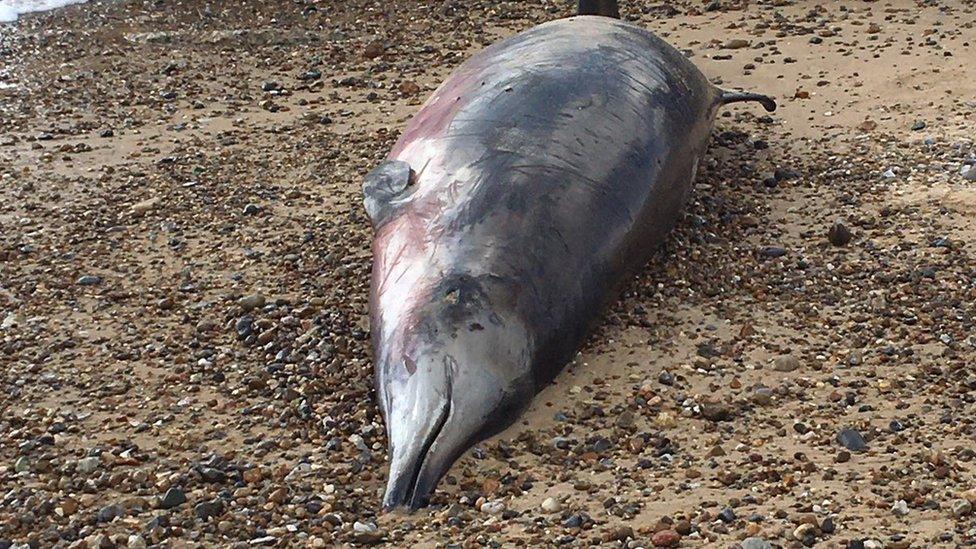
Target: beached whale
[{"x": 533, "y": 184}]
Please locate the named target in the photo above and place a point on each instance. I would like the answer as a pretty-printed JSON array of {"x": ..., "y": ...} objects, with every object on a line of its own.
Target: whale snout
[
  {"x": 418, "y": 419},
  {"x": 462, "y": 387}
]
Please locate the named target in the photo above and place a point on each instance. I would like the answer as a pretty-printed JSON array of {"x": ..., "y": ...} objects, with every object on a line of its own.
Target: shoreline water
[{"x": 11, "y": 10}]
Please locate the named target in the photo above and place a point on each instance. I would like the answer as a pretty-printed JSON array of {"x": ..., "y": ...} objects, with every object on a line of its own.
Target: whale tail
[
  {"x": 606, "y": 8},
  {"x": 736, "y": 97}
]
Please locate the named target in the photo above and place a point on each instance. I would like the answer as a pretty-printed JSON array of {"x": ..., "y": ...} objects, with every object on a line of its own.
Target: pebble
[
  {"x": 900, "y": 508},
  {"x": 961, "y": 507},
  {"x": 968, "y": 172},
  {"x": 251, "y": 302},
  {"x": 173, "y": 497},
  {"x": 110, "y": 513},
  {"x": 839, "y": 235},
  {"x": 361, "y": 527},
  {"x": 737, "y": 43},
  {"x": 772, "y": 251},
  {"x": 717, "y": 411},
  {"x": 493, "y": 507},
  {"x": 804, "y": 531},
  {"x": 141, "y": 208},
  {"x": 88, "y": 465},
  {"x": 551, "y": 505},
  {"x": 666, "y": 538},
  {"x": 786, "y": 363},
  {"x": 89, "y": 280},
  {"x": 755, "y": 543},
  {"x": 852, "y": 440},
  {"x": 209, "y": 509},
  {"x": 136, "y": 541},
  {"x": 22, "y": 465},
  {"x": 727, "y": 515}
]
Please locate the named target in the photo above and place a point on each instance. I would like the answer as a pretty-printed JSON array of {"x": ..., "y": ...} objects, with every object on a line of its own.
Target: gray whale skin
[{"x": 534, "y": 183}]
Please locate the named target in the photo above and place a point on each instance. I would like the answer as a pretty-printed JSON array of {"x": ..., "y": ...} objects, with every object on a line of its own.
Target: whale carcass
[{"x": 534, "y": 183}]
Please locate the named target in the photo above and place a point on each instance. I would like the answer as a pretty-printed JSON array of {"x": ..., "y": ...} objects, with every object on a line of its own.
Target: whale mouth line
[
  {"x": 411, "y": 495},
  {"x": 411, "y": 498}
]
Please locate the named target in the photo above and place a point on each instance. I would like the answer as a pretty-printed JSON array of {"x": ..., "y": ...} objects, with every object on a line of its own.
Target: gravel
[{"x": 183, "y": 299}]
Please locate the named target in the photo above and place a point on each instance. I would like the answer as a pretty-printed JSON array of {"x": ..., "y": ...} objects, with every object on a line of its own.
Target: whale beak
[
  {"x": 443, "y": 395},
  {"x": 414, "y": 436}
]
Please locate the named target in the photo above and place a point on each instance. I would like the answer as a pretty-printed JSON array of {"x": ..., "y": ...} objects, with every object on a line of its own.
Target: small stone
[
  {"x": 968, "y": 172},
  {"x": 373, "y": 50},
  {"x": 918, "y": 125},
  {"x": 251, "y": 209},
  {"x": 209, "y": 509},
  {"x": 852, "y": 440},
  {"x": 961, "y": 507},
  {"x": 22, "y": 465},
  {"x": 98, "y": 541},
  {"x": 786, "y": 363},
  {"x": 620, "y": 533},
  {"x": 666, "y": 538},
  {"x": 889, "y": 174},
  {"x": 174, "y": 497},
  {"x": 493, "y": 507},
  {"x": 409, "y": 88},
  {"x": 839, "y": 234},
  {"x": 362, "y": 527},
  {"x": 88, "y": 465},
  {"x": 727, "y": 515},
  {"x": 109, "y": 513},
  {"x": 136, "y": 542},
  {"x": 737, "y": 44},
  {"x": 89, "y": 280},
  {"x": 763, "y": 396},
  {"x": 551, "y": 505},
  {"x": 69, "y": 506},
  {"x": 251, "y": 302},
  {"x": 803, "y": 531},
  {"x": 772, "y": 251},
  {"x": 900, "y": 508},
  {"x": 716, "y": 411},
  {"x": 867, "y": 126},
  {"x": 573, "y": 521},
  {"x": 270, "y": 86},
  {"x": 665, "y": 378},
  {"x": 141, "y": 208},
  {"x": 755, "y": 543},
  {"x": 625, "y": 420}
]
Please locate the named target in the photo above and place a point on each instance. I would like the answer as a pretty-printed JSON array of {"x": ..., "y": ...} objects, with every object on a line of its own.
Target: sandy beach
[{"x": 184, "y": 267}]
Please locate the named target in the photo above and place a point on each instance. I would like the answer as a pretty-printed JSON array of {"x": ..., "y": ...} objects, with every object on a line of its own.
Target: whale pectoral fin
[{"x": 383, "y": 184}]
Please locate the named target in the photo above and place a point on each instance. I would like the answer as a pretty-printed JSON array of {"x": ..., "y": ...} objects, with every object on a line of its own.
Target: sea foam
[{"x": 10, "y": 9}]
